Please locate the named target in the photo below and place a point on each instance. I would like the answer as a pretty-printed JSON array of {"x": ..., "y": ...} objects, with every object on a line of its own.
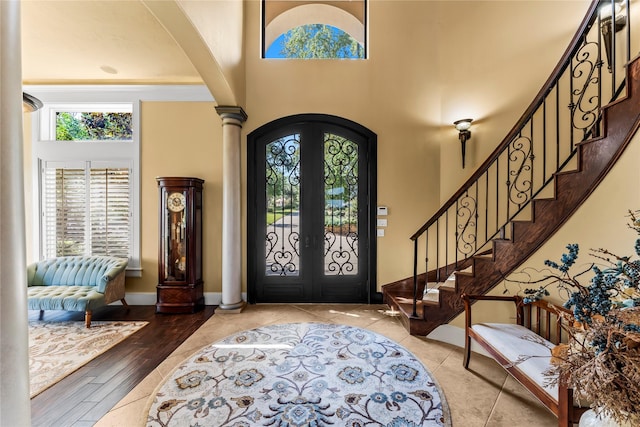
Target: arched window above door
[{"x": 314, "y": 29}]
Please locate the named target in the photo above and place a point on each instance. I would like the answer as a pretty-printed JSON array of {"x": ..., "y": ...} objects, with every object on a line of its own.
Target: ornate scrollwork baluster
[
  {"x": 585, "y": 97},
  {"x": 465, "y": 228},
  {"x": 520, "y": 170}
]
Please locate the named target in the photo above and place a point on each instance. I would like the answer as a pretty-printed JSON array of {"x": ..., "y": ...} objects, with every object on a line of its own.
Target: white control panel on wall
[{"x": 381, "y": 222}]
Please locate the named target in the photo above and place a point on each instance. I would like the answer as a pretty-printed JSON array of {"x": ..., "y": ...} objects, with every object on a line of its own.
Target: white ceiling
[{"x": 94, "y": 41}]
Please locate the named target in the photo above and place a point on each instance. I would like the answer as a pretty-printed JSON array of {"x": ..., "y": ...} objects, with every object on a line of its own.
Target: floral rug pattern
[
  {"x": 56, "y": 349},
  {"x": 301, "y": 374}
]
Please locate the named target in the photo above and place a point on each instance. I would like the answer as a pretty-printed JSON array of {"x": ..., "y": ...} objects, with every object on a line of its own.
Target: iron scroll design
[
  {"x": 520, "y": 181},
  {"x": 282, "y": 197},
  {"x": 466, "y": 225},
  {"x": 341, "y": 211},
  {"x": 585, "y": 94}
]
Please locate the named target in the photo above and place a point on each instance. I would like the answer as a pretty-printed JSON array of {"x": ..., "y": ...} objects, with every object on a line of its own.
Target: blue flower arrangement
[{"x": 602, "y": 359}]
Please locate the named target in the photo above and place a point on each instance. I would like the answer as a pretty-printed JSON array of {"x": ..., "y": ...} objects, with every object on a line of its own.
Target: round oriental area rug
[{"x": 301, "y": 374}]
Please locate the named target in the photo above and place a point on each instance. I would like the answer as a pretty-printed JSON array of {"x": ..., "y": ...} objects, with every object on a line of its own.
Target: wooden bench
[{"x": 523, "y": 349}]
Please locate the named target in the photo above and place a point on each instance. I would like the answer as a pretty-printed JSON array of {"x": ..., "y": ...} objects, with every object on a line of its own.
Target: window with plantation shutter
[
  {"x": 86, "y": 209},
  {"x": 86, "y": 172}
]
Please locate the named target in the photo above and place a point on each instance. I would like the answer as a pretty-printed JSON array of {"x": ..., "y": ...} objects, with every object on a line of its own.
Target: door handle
[{"x": 308, "y": 241}]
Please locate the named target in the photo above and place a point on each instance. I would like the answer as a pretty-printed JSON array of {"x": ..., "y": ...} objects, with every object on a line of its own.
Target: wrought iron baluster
[
  {"x": 557, "y": 125},
  {"x": 446, "y": 243},
  {"x": 508, "y": 183},
  {"x": 486, "y": 207},
  {"x": 457, "y": 235},
  {"x": 544, "y": 141},
  {"x": 571, "y": 106},
  {"x": 438, "y": 250},
  {"x": 426, "y": 262},
  {"x": 415, "y": 278},
  {"x": 497, "y": 194}
]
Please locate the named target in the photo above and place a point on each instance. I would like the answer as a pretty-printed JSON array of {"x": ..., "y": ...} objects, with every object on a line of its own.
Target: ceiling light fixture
[{"x": 30, "y": 103}]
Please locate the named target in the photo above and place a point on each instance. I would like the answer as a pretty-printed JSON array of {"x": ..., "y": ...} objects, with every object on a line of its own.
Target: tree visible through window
[
  {"x": 91, "y": 126},
  {"x": 315, "y": 41}
]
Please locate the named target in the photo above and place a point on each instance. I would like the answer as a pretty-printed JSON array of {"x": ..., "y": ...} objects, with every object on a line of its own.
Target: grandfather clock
[{"x": 180, "y": 248}]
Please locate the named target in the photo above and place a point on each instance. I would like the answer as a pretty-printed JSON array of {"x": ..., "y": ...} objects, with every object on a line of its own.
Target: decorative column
[
  {"x": 232, "y": 119},
  {"x": 15, "y": 405}
]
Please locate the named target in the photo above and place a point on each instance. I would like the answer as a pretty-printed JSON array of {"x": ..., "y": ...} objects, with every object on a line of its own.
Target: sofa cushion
[
  {"x": 75, "y": 271},
  {"x": 530, "y": 352},
  {"x": 70, "y": 298}
]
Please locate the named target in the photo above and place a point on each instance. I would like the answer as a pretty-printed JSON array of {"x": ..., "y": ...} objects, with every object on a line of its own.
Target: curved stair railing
[{"x": 565, "y": 112}]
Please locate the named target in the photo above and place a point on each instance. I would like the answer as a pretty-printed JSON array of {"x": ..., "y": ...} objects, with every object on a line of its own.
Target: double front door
[{"x": 309, "y": 211}]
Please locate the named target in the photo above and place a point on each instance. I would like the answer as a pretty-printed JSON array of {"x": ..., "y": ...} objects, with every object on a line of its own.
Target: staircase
[{"x": 500, "y": 217}]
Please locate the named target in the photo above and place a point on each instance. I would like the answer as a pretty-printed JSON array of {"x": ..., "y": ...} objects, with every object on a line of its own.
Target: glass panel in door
[
  {"x": 282, "y": 195},
  {"x": 340, "y": 206}
]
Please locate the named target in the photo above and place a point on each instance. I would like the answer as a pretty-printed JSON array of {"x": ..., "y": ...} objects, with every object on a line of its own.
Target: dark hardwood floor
[{"x": 85, "y": 396}]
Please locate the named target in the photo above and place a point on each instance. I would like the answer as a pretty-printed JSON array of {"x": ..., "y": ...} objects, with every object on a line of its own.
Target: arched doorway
[{"x": 310, "y": 211}]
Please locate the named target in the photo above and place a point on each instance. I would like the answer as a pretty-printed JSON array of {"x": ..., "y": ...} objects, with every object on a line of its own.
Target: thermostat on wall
[{"x": 382, "y": 210}]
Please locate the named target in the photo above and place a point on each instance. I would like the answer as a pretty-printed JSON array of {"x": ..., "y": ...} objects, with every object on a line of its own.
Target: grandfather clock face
[{"x": 176, "y": 202}]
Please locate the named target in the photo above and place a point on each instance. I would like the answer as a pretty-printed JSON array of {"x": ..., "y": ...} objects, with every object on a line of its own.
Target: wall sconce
[
  {"x": 463, "y": 126},
  {"x": 611, "y": 21},
  {"x": 30, "y": 103}
]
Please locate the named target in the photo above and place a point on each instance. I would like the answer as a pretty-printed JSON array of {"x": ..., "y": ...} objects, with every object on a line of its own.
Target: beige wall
[
  {"x": 494, "y": 57},
  {"x": 180, "y": 139}
]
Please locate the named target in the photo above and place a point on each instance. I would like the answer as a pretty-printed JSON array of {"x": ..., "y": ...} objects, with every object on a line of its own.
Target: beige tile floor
[{"x": 483, "y": 396}]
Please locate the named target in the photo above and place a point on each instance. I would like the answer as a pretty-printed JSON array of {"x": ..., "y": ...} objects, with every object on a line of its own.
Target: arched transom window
[{"x": 314, "y": 29}]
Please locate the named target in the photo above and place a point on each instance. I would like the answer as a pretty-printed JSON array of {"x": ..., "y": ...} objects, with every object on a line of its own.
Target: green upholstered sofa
[{"x": 76, "y": 283}]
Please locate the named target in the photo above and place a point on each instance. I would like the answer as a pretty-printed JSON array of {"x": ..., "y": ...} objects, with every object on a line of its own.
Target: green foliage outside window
[
  {"x": 94, "y": 126},
  {"x": 319, "y": 41}
]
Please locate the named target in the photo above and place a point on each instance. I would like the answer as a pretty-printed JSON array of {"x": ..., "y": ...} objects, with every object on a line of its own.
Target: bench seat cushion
[
  {"x": 530, "y": 352},
  {"x": 69, "y": 298}
]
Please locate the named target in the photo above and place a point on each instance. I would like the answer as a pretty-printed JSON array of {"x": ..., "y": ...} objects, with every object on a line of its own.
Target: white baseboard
[{"x": 149, "y": 298}]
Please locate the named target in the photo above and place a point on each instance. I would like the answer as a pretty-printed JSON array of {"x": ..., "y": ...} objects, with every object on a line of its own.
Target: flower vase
[{"x": 591, "y": 419}]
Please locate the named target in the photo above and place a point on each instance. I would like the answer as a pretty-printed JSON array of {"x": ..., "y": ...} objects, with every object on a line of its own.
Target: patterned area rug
[
  {"x": 57, "y": 349},
  {"x": 301, "y": 374}
]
